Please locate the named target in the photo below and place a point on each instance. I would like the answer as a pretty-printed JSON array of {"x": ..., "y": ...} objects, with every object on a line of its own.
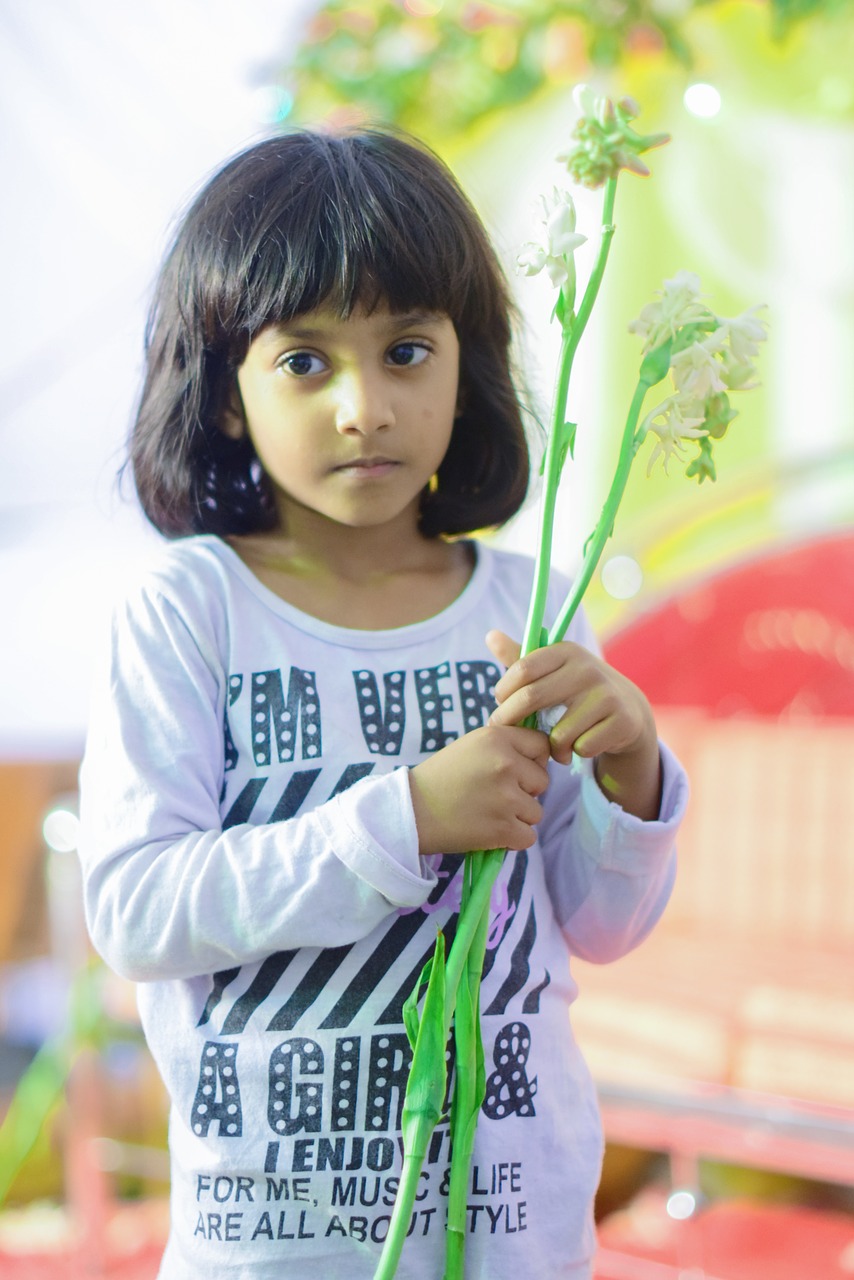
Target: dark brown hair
[{"x": 292, "y": 223}]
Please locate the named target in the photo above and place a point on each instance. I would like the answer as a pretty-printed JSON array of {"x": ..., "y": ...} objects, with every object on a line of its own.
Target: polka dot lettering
[
  {"x": 508, "y": 1090},
  {"x": 477, "y": 681},
  {"x": 383, "y": 720},
  {"x": 217, "y": 1097},
  {"x": 432, "y": 704},
  {"x": 294, "y": 1104},
  {"x": 272, "y": 711},
  {"x": 235, "y": 688},
  {"x": 388, "y": 1069}
]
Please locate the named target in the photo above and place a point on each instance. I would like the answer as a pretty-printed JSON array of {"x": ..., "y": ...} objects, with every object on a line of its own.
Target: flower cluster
[
  {"x": 606, "y": 143},
  {"x": 709, "y": 356},
  {"x": 605, "y": 139}
]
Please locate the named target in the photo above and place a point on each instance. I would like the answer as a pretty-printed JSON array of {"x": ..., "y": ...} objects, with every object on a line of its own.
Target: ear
[{"x": 232, "y": 419}]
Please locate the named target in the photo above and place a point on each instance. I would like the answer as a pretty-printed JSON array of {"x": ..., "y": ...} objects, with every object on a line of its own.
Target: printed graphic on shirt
[{"x": 319, "y": 1119}]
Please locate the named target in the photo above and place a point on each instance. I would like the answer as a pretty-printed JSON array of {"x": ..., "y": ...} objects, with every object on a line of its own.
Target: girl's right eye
[{"x": 302, "y": 364}]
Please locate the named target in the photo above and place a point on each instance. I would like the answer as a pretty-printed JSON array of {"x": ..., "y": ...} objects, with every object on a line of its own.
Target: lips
[{"x": 373, "y": 466}]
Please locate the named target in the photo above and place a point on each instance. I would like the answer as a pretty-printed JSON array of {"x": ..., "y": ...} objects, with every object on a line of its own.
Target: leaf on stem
[
  {"x": 656, "y": 364},
  {"x": 425, "y": 1092}
]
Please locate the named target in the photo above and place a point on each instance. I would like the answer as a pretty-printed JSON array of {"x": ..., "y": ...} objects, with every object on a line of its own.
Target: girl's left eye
[
  {"x": 408, "y": 353},
  {"x": 302, "y": 363}
]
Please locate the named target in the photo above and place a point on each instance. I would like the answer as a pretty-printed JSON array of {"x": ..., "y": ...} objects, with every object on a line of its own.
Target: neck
[
  {"x": 312, "y": 544},
  {"x": 372, "y": 578}
]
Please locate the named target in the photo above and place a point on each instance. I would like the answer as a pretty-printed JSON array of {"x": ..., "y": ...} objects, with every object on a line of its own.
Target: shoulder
[
  {"x": 511, "y": 576},
  {"x": 182, "y": 586},
  {"x": 511, "y": 569},
  {"x": 510, "y": 581},
  {"x": 179, "y": 571}
]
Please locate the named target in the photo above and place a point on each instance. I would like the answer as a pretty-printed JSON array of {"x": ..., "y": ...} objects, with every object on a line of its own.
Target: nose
[{"x": 363, "y": 404}]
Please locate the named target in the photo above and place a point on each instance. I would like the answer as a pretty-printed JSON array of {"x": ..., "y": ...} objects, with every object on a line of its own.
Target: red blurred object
[
  {"x": 141, "y": 1265},
  {"x": 774, "y": 635},
  {"x": 726, "y": 1241},
  {"x": 42, "y": 1243}
]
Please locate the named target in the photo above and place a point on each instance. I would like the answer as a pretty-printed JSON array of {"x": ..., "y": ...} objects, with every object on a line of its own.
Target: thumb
[{"x": 503, "y": 648}]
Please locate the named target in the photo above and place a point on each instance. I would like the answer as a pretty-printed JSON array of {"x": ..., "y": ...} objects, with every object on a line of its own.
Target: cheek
[{"x": 437, "y": 427}]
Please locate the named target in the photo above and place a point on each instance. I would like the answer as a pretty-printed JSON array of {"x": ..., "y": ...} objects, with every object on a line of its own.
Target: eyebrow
[{"x": 396, "y": 323}]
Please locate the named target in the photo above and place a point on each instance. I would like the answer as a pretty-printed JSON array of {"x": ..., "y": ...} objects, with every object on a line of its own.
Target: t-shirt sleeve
[{"x": 170, "y": 894}]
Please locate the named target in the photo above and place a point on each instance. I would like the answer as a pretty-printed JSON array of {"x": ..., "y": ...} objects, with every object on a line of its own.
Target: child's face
[{"x": 350, "y": 418}]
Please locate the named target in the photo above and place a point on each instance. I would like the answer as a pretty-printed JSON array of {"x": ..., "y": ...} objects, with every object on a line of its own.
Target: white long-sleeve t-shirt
[{"x": 251, "y": 860}]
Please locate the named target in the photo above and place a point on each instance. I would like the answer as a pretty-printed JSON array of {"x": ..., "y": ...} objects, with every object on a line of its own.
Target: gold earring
[{"x": 433, "y": 483}]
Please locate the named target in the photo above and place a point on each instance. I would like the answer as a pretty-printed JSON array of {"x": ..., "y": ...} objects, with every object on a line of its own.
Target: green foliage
[
  {"x": 786, "y": 13},
  {"x": 39, "y": 1093},
  {"x": 41, "y": 1089},
  {"x": 437, "y": 66}
]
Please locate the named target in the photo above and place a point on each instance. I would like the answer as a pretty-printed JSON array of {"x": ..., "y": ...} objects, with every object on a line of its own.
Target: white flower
[
  {"x": 559, "y": 219},
  {"x": 744, "y": 332},
  {"x": 561, "y": 240},
  {"x": 531, "y": 260},
  {"x": 680, "y": 305},
  {"x": 739, "y": 375},
  {"x": 586, "y": 102},
  {"x": 682, "y": 419},
  {"x": 696, "y": 371}
]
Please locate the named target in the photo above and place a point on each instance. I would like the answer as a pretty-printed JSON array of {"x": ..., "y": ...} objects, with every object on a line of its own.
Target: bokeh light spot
[
  {"x": 702, "y": 100},
  {"x": 622, "y": 577},
  {"x": 272, "y": 103},
  {"x": 681, "y": 1205},
  {"x": 60, "y": 830}
]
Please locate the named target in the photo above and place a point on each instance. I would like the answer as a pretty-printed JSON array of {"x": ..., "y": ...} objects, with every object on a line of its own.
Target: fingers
[
  {"x": 585, "y": 731},
  {"x": 545, "y": 678},
  {"x": 481, "y": 791},
  {"x": 505, "y": 650},
  {"x": 603, "y": 710},
  {"x": 531, "y": 743}
]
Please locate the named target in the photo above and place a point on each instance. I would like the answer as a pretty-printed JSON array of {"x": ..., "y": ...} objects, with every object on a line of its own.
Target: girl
[{"x": 303, "y": 731}]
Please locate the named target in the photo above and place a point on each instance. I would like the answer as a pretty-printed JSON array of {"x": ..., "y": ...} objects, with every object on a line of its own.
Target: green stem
[
  {"x": 468, "y": 922},
  {"x": 557, "y": 444},
  {"x": 422, "y": 1105},
  {"x": 596, "y": 542},
  {"x": 469, "y": 1088},
  {"x": 404, "y": 1200}
]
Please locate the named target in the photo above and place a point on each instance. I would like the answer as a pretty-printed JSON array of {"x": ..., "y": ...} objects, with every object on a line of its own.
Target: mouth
[{"x": 369, "y": 468}]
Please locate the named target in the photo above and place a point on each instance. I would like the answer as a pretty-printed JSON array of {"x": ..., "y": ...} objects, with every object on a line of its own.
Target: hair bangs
[{"x": 336, "y": 225}]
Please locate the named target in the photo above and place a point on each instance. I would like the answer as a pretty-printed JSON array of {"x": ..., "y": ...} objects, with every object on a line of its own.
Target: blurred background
[{"x": 724, "y": 1049}]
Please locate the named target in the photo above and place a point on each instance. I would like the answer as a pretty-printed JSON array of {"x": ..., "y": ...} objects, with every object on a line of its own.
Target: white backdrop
[{"x": 111, "y": 114}]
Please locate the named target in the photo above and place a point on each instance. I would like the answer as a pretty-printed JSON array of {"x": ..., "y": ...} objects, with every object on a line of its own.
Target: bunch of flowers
[
  {"x": 706, "y": 357},
  {"x": 710, "y": 356}
]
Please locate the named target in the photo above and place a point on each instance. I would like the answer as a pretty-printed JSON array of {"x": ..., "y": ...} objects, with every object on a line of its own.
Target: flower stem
[
  {"x": 605, "y": 526},
  {"x": 469, "y": 1090},
  {"x": 558, "y": 440},
  {"x": 422, "y": 1105},
  {"x": 402, "y": 1212}
]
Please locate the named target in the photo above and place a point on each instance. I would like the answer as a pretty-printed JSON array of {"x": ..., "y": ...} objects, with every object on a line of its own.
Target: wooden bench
[{"x": 729, "y": 1034}]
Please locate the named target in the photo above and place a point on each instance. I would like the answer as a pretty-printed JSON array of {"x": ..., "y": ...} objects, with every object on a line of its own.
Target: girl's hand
[
  {"x": 480, "y": 792},
  {"x": 606, "y": 716}
]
